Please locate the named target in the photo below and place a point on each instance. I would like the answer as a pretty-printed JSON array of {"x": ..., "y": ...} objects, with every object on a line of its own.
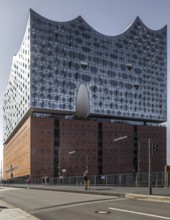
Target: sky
[{"x": 109, "y": 17}]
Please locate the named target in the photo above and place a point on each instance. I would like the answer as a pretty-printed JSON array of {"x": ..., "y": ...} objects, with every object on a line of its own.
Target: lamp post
[
  {"x": 11, "y": 171},
  {"x": 59, "y": 159},
  {"x": 1, "y": 171},
  {"x": 87, "y": 156},
  {"x": 149, "y": 162},
  {"x": 149, "y": 177},
  {"x": 120, "y": 138},
  {"x": 138, "y": 166}
]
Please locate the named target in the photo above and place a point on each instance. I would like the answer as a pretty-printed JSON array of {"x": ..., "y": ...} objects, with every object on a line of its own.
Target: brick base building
[{"x": 49, "y": 146}]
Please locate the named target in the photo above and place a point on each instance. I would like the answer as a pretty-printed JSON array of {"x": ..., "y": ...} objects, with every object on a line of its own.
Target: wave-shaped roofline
[{"x": 124, "y": 31}]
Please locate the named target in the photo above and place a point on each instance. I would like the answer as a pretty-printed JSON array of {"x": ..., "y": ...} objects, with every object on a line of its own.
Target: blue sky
[{"x": 109, "y": 17}]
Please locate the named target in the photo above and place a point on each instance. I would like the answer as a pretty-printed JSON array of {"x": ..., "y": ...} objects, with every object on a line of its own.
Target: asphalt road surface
[{"x": 53, "y": 205}]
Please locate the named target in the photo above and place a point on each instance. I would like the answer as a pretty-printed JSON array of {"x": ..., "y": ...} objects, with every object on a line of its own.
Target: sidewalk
[
  {"x": 158, "y": 193},
  {"x": 9, "y": 212}
]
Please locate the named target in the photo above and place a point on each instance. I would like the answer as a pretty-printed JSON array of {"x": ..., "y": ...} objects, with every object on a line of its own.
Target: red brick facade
[
  {"x": 117, "y": 156},
  {"x": 16, "y": 160},
  {"x": 82, "y": 136},
  {"x": 42, "y": 145},
  {"x": 157, "y": 135}
]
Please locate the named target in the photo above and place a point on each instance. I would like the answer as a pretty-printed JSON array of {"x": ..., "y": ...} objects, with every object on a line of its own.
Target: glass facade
[
  {"x": 125, "y": 75},
  {"x": 17, "y": 94}
]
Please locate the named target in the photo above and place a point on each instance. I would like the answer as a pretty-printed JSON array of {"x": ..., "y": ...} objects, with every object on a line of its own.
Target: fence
[{"x": 161, "y": 179}]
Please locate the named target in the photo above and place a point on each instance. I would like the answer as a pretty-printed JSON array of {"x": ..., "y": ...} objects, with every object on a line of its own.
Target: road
[{"x": 53, "y": 205}]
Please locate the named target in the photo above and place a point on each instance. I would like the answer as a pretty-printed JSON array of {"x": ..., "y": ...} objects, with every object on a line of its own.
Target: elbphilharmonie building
[{"x": 70, "y": 69}]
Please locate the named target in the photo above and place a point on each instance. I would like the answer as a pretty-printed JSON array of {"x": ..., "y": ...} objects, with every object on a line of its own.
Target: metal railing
[{"x": 158, "y": 179}]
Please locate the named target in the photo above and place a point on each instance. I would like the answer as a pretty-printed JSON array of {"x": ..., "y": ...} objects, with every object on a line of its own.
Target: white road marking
[
  {"x": 8, "y": 189},
  {"x": 139, "y": 213}
]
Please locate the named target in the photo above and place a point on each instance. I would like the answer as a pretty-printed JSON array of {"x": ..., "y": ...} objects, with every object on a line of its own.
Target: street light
[
  {"x": 1, "y": 171},
  {"x": 87, "y": 156},
  {"x": 120, "y": 138},
  {"x": 59, "y": 159},
  {"x": 150, "y": 184},
  {"x": 11, "y": 171},
  {"x": 72, "y": 152},
  {"x": 149, "y": 160}
]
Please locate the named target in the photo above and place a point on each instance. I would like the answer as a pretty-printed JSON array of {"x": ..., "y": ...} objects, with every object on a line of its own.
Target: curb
[
  {"x": 148, "y": 197},
  {"x": 10, "y": 212},
  {"x": 120, "y": 195},
  {"x": 134, "y": 195},
  {"x": 92, "y": 192}
]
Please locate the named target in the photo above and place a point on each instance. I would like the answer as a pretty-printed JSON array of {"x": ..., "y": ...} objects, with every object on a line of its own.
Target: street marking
[
  {"x": 139, "y": 213},
  {"x": 69, "y": 205},
  {"x": 8, "y": 189}
]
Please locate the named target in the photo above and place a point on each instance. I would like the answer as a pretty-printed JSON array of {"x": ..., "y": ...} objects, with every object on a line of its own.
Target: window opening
[
  {"x": 136, "y": 86},
  {"x": 84, "y": 65},
  {"x": 129, "y": 66}
]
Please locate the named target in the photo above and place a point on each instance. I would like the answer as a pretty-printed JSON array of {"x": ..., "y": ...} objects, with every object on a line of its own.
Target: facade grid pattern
[{"x": 125, "y": 75}]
